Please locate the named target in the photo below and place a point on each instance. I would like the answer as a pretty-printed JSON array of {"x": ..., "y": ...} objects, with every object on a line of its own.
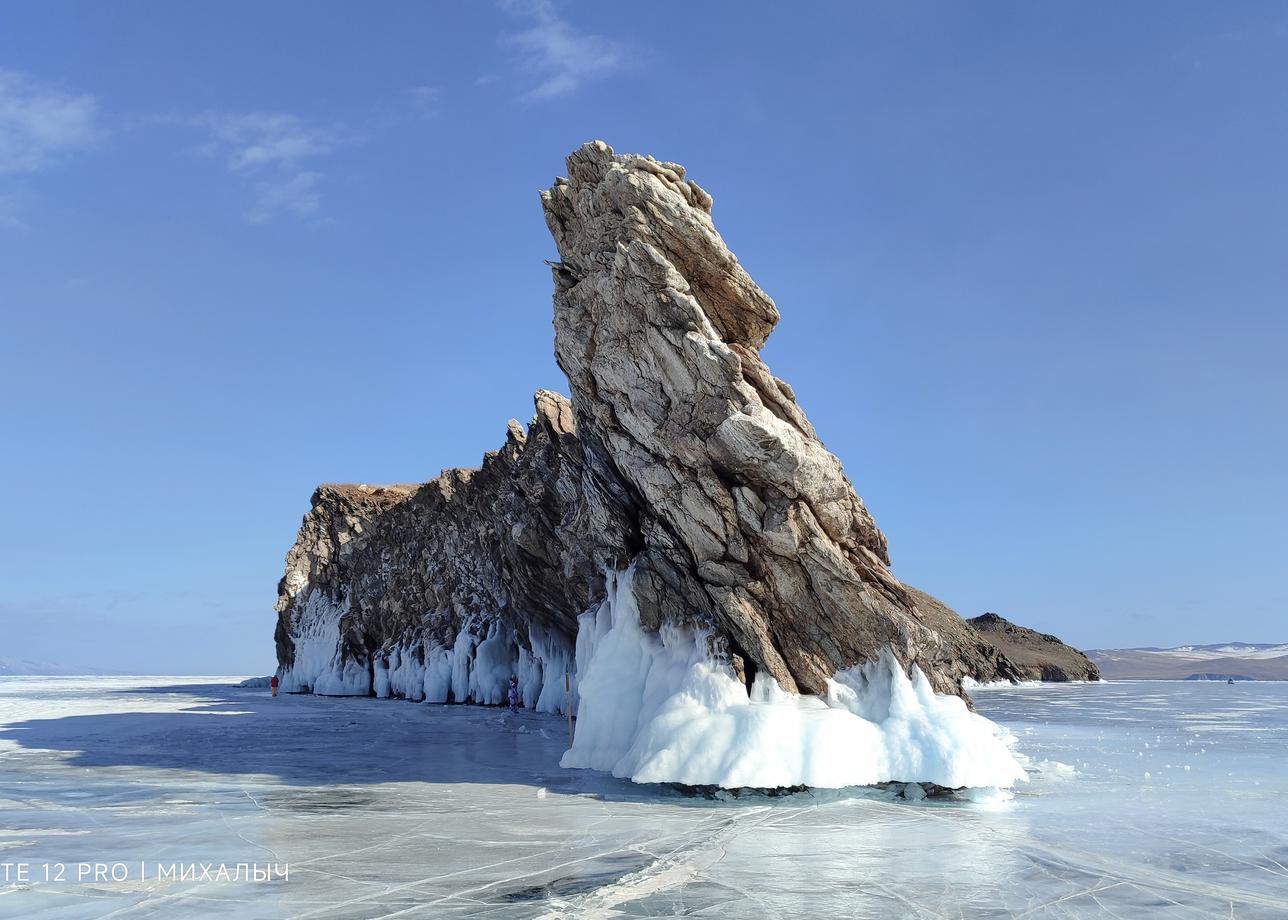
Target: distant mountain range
[
  {"x": 1222, "y": 661},
  {"x": 15, "y": 667}
]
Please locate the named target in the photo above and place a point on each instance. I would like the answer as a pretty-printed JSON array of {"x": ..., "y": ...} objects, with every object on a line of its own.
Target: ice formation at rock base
[
  {"x": 658, "y": 707},
  {"x": 475, "y": 668}
]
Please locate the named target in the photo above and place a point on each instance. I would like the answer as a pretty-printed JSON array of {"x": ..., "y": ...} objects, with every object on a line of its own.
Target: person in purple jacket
[{"x": 514, "y": 693}]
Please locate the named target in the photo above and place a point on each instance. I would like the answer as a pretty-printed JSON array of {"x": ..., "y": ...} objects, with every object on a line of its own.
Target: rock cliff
[
  {"x": 679, "y": 454},
  {"x": 1037, "y": 656}
]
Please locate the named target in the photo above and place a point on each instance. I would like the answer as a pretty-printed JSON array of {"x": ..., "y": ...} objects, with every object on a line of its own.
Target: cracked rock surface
[
  {"x": 1037, "y": 656},
  {"x": 679, "y": 451}
]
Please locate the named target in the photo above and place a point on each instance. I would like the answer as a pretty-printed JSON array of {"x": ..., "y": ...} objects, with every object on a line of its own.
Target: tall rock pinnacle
[
  {"x": 679, "y": 455},
  {"x": 745, "y": 517}
]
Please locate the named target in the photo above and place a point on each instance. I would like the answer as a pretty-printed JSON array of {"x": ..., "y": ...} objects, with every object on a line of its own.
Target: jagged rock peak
[
  {"x": 679, "y": 454},
  {"x": 609, "y": 201},
  {"x": 747, "y": 519}
]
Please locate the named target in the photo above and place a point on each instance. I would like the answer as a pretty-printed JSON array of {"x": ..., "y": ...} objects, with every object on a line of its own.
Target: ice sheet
[{"x": 1136, "y": 808}]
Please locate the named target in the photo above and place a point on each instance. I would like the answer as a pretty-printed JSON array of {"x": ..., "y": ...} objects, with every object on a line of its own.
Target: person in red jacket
[{"x": 273, "y": 683}]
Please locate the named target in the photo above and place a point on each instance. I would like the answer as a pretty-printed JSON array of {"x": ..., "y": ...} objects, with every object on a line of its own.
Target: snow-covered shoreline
[{"x": 971, "y": 685}]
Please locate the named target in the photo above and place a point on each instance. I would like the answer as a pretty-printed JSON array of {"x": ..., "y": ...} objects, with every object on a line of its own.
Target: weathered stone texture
[{"x": 679, "y": 451}]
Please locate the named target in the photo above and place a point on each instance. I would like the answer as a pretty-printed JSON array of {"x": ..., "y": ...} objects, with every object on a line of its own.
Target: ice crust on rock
[
  {"x": 658, "y": 707},
  {"x": 475, "y": 668},
  {"x": 319, "y": 664}
]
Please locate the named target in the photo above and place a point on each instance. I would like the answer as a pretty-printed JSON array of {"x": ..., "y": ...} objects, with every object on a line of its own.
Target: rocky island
[
  {"x": 1035, "y": 655},
  {"x": 673, "y": 541}
]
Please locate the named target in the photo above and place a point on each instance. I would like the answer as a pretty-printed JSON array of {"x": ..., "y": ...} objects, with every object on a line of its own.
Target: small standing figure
[
  {"x": 514, "y": 693},
  {"x": 273, "y": 683}
]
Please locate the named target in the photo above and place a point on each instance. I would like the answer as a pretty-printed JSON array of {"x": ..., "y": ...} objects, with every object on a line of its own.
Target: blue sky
[{"x": 1030, "y": 260}]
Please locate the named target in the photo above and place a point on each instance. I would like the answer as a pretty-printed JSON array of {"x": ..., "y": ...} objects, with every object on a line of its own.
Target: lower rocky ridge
[
  {"x": 1035, "y": 655},
  {"x": 671, "y": 553}
]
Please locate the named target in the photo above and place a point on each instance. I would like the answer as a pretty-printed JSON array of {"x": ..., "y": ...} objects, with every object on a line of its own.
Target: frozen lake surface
[{"x": 1146, "y": 799}]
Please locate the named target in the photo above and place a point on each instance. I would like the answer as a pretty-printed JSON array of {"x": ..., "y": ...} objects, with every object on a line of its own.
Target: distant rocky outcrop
[
  {"x": 1037, "y": 656},
  {"x": 679, "y": 453},
  {"x": 21, "y": 667}
]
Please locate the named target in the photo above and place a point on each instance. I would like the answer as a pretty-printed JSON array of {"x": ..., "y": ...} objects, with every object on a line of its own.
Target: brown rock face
[
  {"x": 679, "y": 451},
  {"x": 1035, "y": 655},
  {"x": 748, "y": 521},
  {"x": 408, "y": 566}
]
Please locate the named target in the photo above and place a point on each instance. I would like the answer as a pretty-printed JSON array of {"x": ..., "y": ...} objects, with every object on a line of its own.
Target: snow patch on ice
[
  {"x": 970, "y": 683},
  {"x": 989, "y": 797},
  {"x": 658, "y": 708},
  {"x": 1054, "y": 769},
  {"x": 1244, "y": 650}
]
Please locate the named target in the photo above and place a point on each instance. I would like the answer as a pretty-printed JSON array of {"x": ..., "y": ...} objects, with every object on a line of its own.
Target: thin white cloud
[
  {"x": 268, "y": 149},
  {"x": 9, "y": 214},
  {"x": 295, "y": 194},
  {"x": 427, "y": 100},
  {"x": 252, "y": 139},
  {"x": 554, "y": 56},
  {"x": 39, "y": 123}
]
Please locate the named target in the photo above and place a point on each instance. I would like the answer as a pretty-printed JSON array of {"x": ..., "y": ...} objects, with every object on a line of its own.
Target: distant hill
[
  {"x": 1220, "y": 661},
  {"x": 1038, "y": 656},
  {"x": 20, "y": 667}
]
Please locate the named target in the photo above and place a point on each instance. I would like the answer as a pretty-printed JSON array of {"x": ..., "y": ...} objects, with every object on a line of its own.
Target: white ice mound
[
  {"x": 656, "y": 708},
  {"x": 318, "y": 666}
]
